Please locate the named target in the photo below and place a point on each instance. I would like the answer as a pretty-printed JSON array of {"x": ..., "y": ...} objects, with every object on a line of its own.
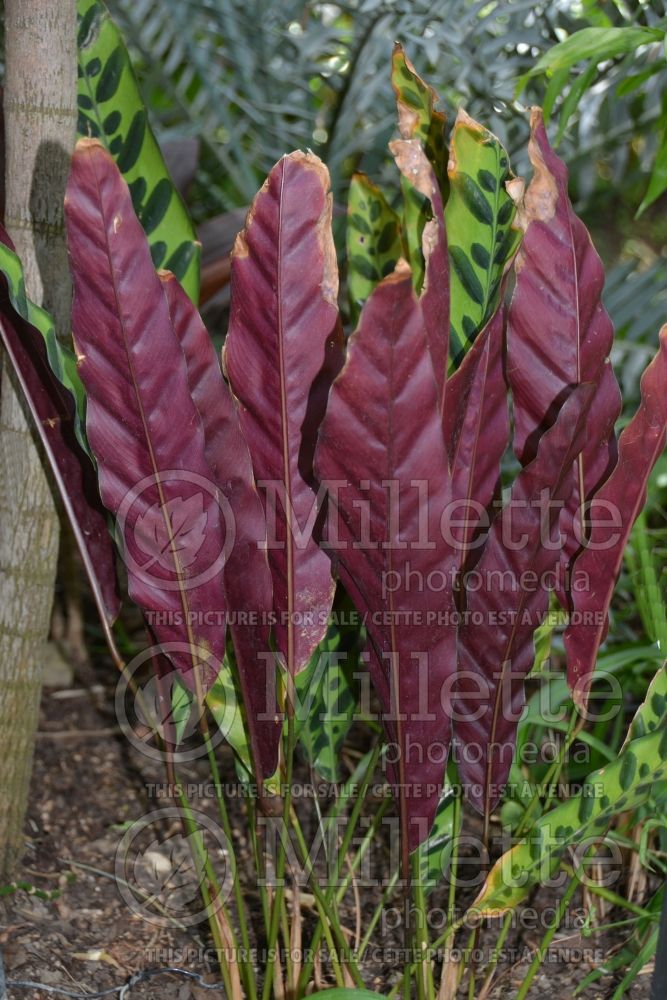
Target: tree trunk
[{"x": 40, "y": 129}]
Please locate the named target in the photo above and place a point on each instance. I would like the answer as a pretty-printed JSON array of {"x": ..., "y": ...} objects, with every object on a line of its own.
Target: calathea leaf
[
  {"x": 60, "y": 357},
  {"x": 111, "y": 110},
  {"x": 187, "y": 530},
  {"x": 282, "y": 351},
  {"x": 419, "y": 121},
  {"x": 623, "y": 784},
  {"x": 142, "y": 424},
  {"x": 434, "y": 295},
  {"x": 559, "y": 335},
  {"x": 481, "y": 235},
  {"x": 652, "y": 713},
  {"x": 476, "y": 427},
  {"x": 373, "y": 240},
  {"x": 381, "y": 453},
  {"x": 417, "y": 115},
  {"x": 435, "y": 852},
  {"x": 618, "y": 502},
  {"x": 246, "y": 574},
  {"x": 25, "y": 330},
  {"x": 327, "y": 697},
  {"x": 507, "y": 603}
]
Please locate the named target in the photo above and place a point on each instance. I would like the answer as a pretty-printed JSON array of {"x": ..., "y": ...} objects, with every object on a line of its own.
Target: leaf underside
[
  {"x": 142, "y": 424},
  {"x": 282, "y": 351},
  {"x": 496, "y": 647},
  {"x": 559, "y": 336},
  {"x": 382, "y": 427},
  {"x": 246, "y": 576}
]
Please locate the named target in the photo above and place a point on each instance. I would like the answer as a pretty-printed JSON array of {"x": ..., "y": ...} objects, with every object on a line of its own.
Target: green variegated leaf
[
  {"x": 373, "y": 240},
  {"x": 225, "y": 707},
  {"x": 61, "y": 359},
  {"x": 327, "y": 698},
  {"x": 435, "y": 852},
  {"x": 417, "y": 119},
  {"x": 182, "y": 705},
  {"x": 619, "y": 786},
  {"x": 111, "y": 110},
  {"x": 479, "y": 216},
  {"x": 652, "y": 713},
  {"x": 417, "y": 116}
]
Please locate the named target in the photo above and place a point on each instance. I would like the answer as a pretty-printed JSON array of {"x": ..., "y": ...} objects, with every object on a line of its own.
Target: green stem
[
  {"x": 350, "y": 829},
  {"x": 468, "y": 960},
  {"x": 377, "y": 913},
  {"x": 211, "y": 878},
  {"x": 425, "y": 986},
  {"x": 438, "y": 943},
  {"x": 497, "y": 949},
  {"x": 547, "y": 939},
  {"x": 281, "y": 858},
  {"x": 610, "y": 896},
  {"x": 454, "y": 862},
  {"x": 193, "y": 834},
  {"x": 363, "y": 847},
  {"x": 247, "y": 965},
  {"x": 328, "y": 918},
  {"x": 258, "y": 858},
  {"x": 553, "y": 774}
]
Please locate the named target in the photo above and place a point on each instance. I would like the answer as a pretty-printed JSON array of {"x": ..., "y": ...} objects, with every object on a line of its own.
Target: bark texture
[{"x": 40, "y": 129}]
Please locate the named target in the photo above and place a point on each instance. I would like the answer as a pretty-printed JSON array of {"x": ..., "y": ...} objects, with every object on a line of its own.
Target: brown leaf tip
[
  {"x": 411, "y": 160},
  {"x": 401, "y": 272},
  {"x": 88, "y": 145},
  {"x": 541, "y": 197}
]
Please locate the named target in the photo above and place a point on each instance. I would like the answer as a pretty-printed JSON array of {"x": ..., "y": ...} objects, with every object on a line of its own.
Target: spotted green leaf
[
  {"x": 327, "y": 699},
  {"x": 435, "y": 852},
  {"x": 619, "y": 786},
  {"x": 225, "y": 707},
  {"x": 479, "y": 217},
  {"x": 418, "y": 119},
  {"x": 417, "y": 114},
  {"x": 652, "y": 713},
  {"x": 61, "y": 359},
  {"x": 111, "y": 110},
  {"x": 373, "y": 240}
]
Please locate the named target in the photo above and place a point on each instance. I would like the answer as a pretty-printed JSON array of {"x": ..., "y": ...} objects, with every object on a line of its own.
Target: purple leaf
[
  {"x": 381, "y": 453},
  {"x": 282, "y": 351},
  {"x": 559, "y": 335},
  {"x": 142, "y": 424},
  {"x": 246, "y": 575},
  {"x": 476, "y": 427},
  {"x": 614, "y": 511},
  {"x": 176, "y": 527},
  {"x": 508, "y": 601}
]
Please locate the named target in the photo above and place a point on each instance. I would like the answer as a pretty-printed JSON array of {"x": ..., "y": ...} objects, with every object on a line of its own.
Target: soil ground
[{"x": 88, "y": 785}]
